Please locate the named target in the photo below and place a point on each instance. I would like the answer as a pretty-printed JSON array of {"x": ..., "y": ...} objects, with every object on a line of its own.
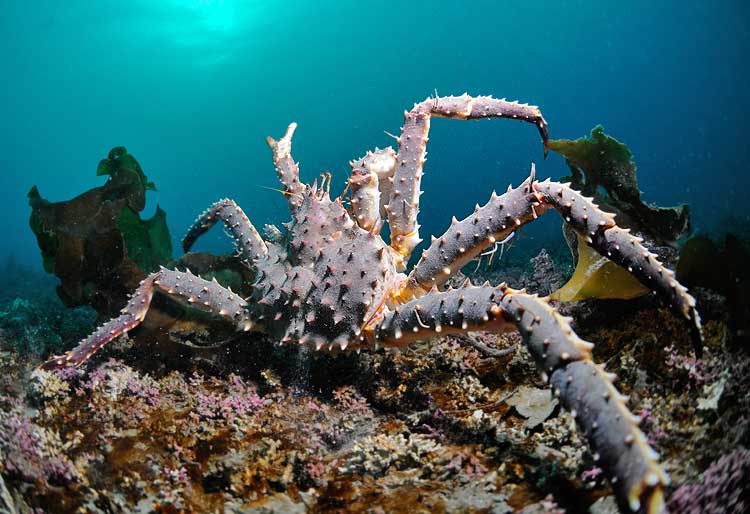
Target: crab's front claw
[{"x": 286, "y": 168}]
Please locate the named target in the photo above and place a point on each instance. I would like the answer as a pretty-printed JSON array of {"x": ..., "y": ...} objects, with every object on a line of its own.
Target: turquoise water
[{"x": 192, "y": 88}]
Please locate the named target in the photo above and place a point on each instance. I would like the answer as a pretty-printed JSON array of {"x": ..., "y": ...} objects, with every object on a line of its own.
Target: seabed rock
[
  {"x": 536, "y": 405},
  {"x": 191, "y": 440}
]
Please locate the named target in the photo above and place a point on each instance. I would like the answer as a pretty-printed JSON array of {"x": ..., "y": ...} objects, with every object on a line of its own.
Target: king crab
[{"x": 331, "y": 281}]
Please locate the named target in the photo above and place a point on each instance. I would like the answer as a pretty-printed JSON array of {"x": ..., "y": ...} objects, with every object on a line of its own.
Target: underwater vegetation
[
  {"x": 97, "y": 244},
  {"x": 603, "y": 168},
  {"x": 703, "y": 263},
  {"x": 460, "y": 421},
  {"x": 596, "y": 277}
]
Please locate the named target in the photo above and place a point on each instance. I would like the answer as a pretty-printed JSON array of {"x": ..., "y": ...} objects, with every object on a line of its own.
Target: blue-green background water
[{"x": 192, "y": 88}]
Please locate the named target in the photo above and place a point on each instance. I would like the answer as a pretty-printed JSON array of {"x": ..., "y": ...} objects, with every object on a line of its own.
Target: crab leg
[
  {"x": 619, "y": 245},
  {"x": 371, "y": 183},
  {"x": 503, "y": 214},
  {"x": 250, "y": 245},
  {"x": 466, "y": 239},
  {"x": 365, "y": 199},
  {"x": 619, "y": 447},
  {"x": 403, "y": 205},
  {"x": 184, "y": 285},
  {"x": 286, "y": 168}
]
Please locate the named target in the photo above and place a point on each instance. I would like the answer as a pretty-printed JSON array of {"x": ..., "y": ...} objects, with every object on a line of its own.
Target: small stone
[{"x": 535, "y": 405}]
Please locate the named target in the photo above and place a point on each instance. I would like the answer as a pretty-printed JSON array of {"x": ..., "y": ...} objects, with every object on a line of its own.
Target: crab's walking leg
[
  {"x": 184, "y": 285},
  {"x": 600, "y": 232},
  {"x": 466, "y": 239},
  {"x": 250, "y": 245},
  {"x": 404, "y": 201},
  {"x": 287, "y": 169},
  {"x": 503, "y": 214},
  {"x": 619, "y": 447}
]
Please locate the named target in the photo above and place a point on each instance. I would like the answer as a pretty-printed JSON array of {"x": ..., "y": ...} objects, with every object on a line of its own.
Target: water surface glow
[{"x": 193, "y": 87}]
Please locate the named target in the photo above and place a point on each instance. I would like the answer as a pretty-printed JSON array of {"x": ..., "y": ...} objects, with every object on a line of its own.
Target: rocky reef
[{"x": 446, "y": 426}]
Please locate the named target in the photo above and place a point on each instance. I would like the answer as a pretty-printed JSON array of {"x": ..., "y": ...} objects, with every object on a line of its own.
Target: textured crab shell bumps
[
  {"x": 456, "y": 310},
  {"x": 286, "y": 168},
  {"x": 330, "y": 282},
  {"x": 625, "y": 249},
  {"x": 247, "y": 240},
  {"x": 204, "y": 294},
  {"x": 404, "y": 203},
  {"x": 365, "y": 198},
  {"x": 548, "y": 335},
  {"x": 465, "y": 239},
  {"x": 619, "y": 446},
  {"x": 195, "y": 290},
  {"x": 382, "y": 163},
  {"x": 578, "y": 211},
  {"x": 587, "y": 391}
]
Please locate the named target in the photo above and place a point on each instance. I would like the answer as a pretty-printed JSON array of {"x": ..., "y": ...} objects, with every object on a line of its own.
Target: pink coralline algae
[
  {"x": 591, "y": 474},
  {"x": 724, "y": 488},
  {"x": 29, "y": 452},
  {"x": 687, "y": 369},
  {"x": 239, "y": 400}
]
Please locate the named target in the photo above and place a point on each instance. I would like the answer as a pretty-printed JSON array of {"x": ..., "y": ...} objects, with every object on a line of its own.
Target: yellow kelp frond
[{"x": 598, "y": 277}]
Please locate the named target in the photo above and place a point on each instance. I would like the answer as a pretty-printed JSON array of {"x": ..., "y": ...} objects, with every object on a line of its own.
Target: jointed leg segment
[
  {"x": 584, "y": 388},
  {"x": 250, "y": 245},
  {"x": 600, "y": 231},
  {"x": 184, "y": 285},
  {"x": 465, "y": 239},
  {"x": 404, "y": 200}
]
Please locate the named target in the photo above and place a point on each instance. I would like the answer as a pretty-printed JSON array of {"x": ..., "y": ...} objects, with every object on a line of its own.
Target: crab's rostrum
[{"x": 331, "y": 281}]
